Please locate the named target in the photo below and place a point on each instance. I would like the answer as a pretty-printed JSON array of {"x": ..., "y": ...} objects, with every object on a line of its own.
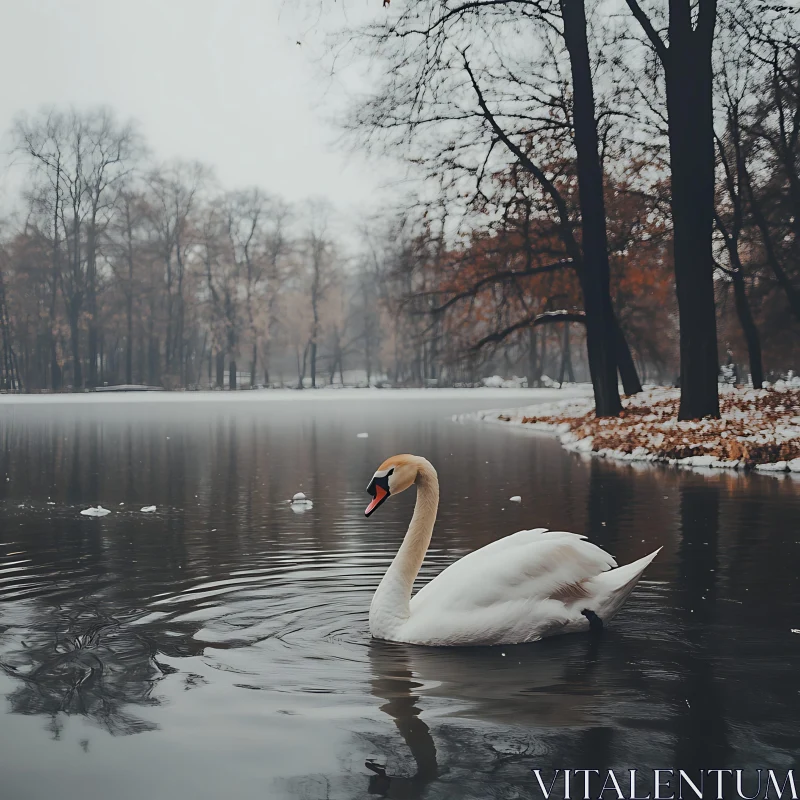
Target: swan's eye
[{"x": 380, "y": 478}]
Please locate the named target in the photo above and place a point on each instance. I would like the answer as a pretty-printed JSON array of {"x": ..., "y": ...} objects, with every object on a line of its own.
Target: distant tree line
[{"x": 118, "y": 270}]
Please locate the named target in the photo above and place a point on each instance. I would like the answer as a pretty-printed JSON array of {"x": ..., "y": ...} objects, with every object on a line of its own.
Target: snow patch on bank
[{"x": 758, "y": 429}]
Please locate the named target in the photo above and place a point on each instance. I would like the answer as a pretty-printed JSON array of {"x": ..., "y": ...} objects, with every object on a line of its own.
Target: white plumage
[{"x": 521, "y": 588}]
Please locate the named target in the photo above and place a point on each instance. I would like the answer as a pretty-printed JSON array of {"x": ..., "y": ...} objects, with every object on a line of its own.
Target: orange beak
[{"x": 380, "y": 495}]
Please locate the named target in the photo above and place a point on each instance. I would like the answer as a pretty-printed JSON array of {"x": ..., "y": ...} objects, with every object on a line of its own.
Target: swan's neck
[{"x": 390, "y": 605}]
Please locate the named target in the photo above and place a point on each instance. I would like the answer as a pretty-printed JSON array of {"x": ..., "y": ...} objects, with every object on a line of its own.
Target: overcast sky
[{"x": 222, "y": 81}]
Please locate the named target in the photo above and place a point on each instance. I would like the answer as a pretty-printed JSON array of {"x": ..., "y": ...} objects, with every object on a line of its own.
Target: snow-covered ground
[
  {"x": 759, "y": 429},
  {"x": 490, "y": 394}
]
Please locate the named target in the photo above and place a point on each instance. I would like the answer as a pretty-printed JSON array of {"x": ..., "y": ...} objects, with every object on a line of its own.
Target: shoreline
[
  {"x": 489, "y": 393},
  {"x": 759, "y": 429}
]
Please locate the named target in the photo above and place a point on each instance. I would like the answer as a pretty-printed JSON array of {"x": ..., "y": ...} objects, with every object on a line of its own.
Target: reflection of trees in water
[
  {"x": 610, "y": 498},
  {"x": 77, "y": 658},
  {"x": 702, "y": 729},
  {"x": 86, "y": 663}
]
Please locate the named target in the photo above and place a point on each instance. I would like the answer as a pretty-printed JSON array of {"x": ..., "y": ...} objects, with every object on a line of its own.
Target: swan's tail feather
[{"x": 614, "y": 586}]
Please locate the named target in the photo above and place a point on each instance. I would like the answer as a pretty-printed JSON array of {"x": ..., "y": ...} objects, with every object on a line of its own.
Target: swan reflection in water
[
  {"x": 482, "y": 728},
  {"x": 393, "y": 681}
]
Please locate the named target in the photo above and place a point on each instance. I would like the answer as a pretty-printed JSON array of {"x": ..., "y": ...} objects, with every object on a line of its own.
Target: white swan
[{"x": 520, "y": 588}]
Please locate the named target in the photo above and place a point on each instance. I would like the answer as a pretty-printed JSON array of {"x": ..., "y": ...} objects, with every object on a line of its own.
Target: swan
[{"x": 521, "y": 588}]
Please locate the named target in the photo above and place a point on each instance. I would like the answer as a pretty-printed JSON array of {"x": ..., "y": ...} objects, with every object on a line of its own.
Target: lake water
[{"x": 218, "y": 647}]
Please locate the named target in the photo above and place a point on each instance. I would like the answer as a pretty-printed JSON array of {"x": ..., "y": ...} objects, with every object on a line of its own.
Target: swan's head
[{"x": 395, "y": 475}]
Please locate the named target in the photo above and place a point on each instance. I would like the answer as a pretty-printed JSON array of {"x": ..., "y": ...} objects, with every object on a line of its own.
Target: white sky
[{"x": 222, "y": 81}]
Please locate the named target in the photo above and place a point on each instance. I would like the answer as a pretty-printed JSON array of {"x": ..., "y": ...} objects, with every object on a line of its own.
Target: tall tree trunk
[
  {"x": 335, "y": 358},
  {"x": 129, "y": 342},
  {"x": 534, "y": 365},
  {"x": 566, "y": 358},
  {"x": 141, "y": 359},
  {"x": 170, "y": 306},
  {"x": 302, "y": 372},
  {"x": 253, "y": 366},
  {"x": 749, "y": 329},
  {"x": 313, "y": 360},
  {"x": 563, "y": 367},
  {"x": 627, "y": 368},
  {"x": 220, "y": 370},
  {"x": 542, "y": 357},
  {"x": 129, "y": 293},
  {"x": 75, "y": 340},
  {"x": 153, "y": 361},
  {"x": 232, "y": 375},
  {"x": 55, "y": 368},
  {"x": 12, "y": 378},
  {"x": 92, "y": 342},
  {"x": 595, "y": 274},
  {"x": 691, "y": 142},
  {"x": 180, "y": 339},
  {"x": 688, "y": 76},
  {"x": 367, "y": 357},
  {"x": 92, "y": 346}
]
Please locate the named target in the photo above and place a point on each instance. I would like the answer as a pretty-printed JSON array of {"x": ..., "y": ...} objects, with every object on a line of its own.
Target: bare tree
[
  {"x": 735, "y": 85},
  {"x": 317, "y": 255},
  {"x": 773, "y": 185},
  {"x": 223, "y": 281},
  {"x": 685, "y": 57},
  {"x": 82, "y": 158},
  {"x": 174, "y": 194},
  {"x": 127, "y": 254},
  {"x": 460, "y": 89},
  {"x": 256, "y": 227}
]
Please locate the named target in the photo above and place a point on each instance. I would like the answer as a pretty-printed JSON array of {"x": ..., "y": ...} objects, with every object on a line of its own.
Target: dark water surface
[{"x": 218, "y": 648}]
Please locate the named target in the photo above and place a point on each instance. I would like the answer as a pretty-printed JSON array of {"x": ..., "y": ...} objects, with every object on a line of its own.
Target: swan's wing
[{"x": 528, "y": 566}]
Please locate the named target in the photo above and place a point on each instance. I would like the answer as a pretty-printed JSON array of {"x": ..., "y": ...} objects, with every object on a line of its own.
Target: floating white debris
[
  {"x": 362, "y": 436},
  {"x": 795, "y": 630},
  {"x": 95, "y": 512},
  {"x": 148, "y": 509},
  {"x": 515, "y": 499},
  {"x": 300, "y": 503}
]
